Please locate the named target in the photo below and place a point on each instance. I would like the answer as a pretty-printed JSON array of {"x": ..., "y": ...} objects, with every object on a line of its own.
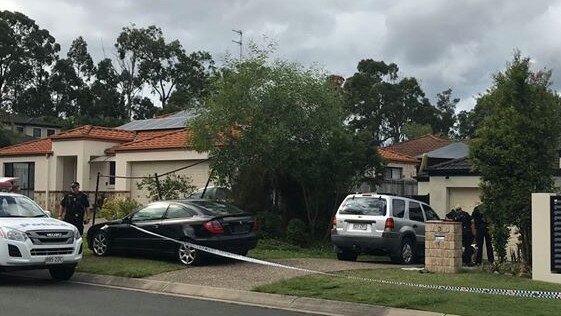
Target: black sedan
[{"x": 202, "y": 222}]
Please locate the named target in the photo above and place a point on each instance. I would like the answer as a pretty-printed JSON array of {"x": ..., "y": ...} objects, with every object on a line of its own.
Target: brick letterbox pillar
[{"x": 443, "y": 246}]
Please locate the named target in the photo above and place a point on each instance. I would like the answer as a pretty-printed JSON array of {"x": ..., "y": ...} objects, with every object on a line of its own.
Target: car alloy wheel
[
  {"x": 407, "y": 254},
  {"x": 187, "y": 254},
  {"x": 100, "y": 244}
]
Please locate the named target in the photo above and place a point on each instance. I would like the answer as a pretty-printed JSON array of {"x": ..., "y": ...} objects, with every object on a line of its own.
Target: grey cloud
[{"x": 444, "y": 44}]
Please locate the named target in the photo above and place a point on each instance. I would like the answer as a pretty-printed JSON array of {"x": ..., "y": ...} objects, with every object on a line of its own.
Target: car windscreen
[
  {"x": 215, "y": 208},
  {"x": 364, "y": 206},
  {"x": 19, "y": 206}
]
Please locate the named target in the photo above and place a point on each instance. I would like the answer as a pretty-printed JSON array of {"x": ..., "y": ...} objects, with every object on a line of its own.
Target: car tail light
[
  {"x": 214, "y": 227},
  {"x": 389, "y": 225}
]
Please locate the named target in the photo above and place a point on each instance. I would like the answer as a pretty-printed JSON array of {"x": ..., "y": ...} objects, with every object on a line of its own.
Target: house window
[
  {"x": 393, "y": 173},
  {"x": 50, "y": 131},
  {"x": 112, "y": 173},
  {"x": 19, "y": 129},
  {"x": 25, "y": 172},
  {"x": 37, "y": 132}
]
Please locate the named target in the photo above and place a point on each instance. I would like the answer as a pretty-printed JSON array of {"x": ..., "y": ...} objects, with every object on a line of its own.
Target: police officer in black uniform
[
  {"x": 459, "y": 215},
  {"x": 482, "y": 236},
  {"x": 74, "y": 207}
]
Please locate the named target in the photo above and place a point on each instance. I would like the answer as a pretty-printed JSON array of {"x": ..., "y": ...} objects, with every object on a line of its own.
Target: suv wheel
[
  {"x": 346, "y": 255},
  {"x": 407, "y": 255}
]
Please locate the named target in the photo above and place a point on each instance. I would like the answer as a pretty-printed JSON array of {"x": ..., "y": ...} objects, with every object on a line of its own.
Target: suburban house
[
  {"x": 403, "y": 161},
  {"x": 399, "y": 174},
  {"x": 35, "y": 127},
  {"x": 449, "y": 180},
  {"x": 121, "y": 156},
  {"x": 45, "y": 167}
]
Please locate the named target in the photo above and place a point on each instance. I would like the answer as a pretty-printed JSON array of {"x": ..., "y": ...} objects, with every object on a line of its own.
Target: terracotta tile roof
[
  {"x": 149, "y": 134},
  {"x": 176, "y": 139},
  {"x": 419, "y": 146},
  {"x": 34, "y": 147},
  {"x": 390, "y": 155},
  {"x": 96, "y": 132}
]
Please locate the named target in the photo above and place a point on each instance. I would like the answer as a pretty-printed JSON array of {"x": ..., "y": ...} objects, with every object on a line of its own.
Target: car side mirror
[{"x": 48, "y": 213}]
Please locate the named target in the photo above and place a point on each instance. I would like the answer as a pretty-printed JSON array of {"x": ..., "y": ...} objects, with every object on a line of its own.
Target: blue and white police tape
[{"x": 507, "y": 292}]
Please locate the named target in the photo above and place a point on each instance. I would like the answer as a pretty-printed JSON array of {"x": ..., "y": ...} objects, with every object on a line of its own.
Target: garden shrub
[
  {"x": 115, "y": 207},
  {"x": 268, "y": 224},
  {"x": 296, "y": 232}
]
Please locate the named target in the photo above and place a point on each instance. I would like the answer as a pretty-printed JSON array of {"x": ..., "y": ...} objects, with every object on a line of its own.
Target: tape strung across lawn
[{"x": 518, "y": 293}]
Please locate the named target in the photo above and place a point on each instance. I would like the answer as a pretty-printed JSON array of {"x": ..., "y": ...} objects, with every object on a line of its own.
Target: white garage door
[{"x": 466, "y": 198}]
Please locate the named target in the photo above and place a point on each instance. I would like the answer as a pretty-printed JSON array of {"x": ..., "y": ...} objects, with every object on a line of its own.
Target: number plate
[
  {"x": 360, "y": 226},
  {"x": 54, "y": 260}
]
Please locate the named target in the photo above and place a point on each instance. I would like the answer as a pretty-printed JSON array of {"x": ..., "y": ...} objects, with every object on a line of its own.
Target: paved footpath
[{"x": 232, "y": 281}]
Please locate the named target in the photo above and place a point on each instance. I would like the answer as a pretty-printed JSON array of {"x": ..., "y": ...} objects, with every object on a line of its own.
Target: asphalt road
[{"x": 39, "y": 295}]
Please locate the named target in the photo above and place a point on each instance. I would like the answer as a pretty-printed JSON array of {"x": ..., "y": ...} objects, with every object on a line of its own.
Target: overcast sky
[{"x": 456, "y": 44}]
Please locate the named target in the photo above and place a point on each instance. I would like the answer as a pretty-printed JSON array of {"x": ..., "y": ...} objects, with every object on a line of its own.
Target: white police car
[{"x": 31, "y": 239}]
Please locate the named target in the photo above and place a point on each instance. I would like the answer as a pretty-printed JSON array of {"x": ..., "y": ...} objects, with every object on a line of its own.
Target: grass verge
[
  {"x": 130, "y": 266},
  {"x": 459, "y": 303}
]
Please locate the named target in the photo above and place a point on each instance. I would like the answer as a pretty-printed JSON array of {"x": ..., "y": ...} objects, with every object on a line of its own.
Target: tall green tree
[
  {"x": 382, "y": 103},
  {"x": 445, "y": 115},
  {"x": 146, "y": 58},
  {"x": 283, "y": 125},
  {"x": 26, "y": 54},
  {"x": 129, "y": 46},
  {"x": 515, "y": 148}
]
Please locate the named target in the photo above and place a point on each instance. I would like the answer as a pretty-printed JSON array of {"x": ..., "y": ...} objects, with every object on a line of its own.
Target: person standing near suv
[
  {"x": 74, "y": 207},
  {"x": 459, "y": 215},
  {"x": 481, "y": 236}
]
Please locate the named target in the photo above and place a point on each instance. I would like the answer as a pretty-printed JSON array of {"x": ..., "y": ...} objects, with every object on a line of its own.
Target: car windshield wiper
[{"x": 40, "y": 215}]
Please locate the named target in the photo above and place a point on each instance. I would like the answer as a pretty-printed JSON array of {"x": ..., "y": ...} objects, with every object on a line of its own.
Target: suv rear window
[
  {"x": 364, "y": 206},
  {"x": 415, "y": 213},
  {"x": 398, "y": 208}
]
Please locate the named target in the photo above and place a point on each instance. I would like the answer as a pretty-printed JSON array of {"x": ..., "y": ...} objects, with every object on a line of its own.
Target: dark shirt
[
  {"x": 462, "y": 217},
  {"x": 74, "y": 206},
  {"x": 478, "y": 219}
]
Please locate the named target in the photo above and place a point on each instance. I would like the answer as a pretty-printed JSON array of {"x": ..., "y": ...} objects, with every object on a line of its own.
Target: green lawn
[
  {"x": 130, "y": 266},
  {"x": 460, "y": 303}
]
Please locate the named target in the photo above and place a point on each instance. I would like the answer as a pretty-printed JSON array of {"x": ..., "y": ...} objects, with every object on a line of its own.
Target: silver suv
[{"x": 369, "y": 223}]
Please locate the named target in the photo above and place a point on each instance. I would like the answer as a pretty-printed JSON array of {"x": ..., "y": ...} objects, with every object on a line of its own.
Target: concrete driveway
[{"x": 245, "y": 275}]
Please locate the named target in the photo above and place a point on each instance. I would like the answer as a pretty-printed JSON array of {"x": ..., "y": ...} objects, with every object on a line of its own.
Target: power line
[{"x": 240, "y": 42}]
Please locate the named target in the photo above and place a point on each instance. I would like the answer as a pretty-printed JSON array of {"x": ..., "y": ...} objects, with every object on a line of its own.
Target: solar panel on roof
[{"x": 174, "y": 121}]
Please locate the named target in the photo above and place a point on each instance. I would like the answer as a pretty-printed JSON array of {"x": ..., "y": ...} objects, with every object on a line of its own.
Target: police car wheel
[
  {"x": 188, "y": 255},
  {"x": 100, "y": 244},
  {"x": 62, "y": 273}
]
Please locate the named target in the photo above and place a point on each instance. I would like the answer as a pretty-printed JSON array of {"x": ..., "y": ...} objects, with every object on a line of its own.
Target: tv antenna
[{"x": 240, "y": 42}]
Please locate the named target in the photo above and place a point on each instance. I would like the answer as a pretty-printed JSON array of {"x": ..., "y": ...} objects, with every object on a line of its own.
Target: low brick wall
[{"x": 443, "y": 247}]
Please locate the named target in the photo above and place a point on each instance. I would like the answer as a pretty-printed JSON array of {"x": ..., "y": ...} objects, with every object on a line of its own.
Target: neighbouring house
[
  {"x": 420, "y": 145},
  {"x": 402, "y": 161},
  {"x": 450, "y": 184},
  {"x": 35, "y": 127},
  {"x": 399, "y": 173},
  {"x": 122, "y": 156}
]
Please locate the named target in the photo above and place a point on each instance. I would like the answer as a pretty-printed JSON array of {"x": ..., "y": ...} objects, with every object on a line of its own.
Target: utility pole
[{"x": 240, "y": 42}]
